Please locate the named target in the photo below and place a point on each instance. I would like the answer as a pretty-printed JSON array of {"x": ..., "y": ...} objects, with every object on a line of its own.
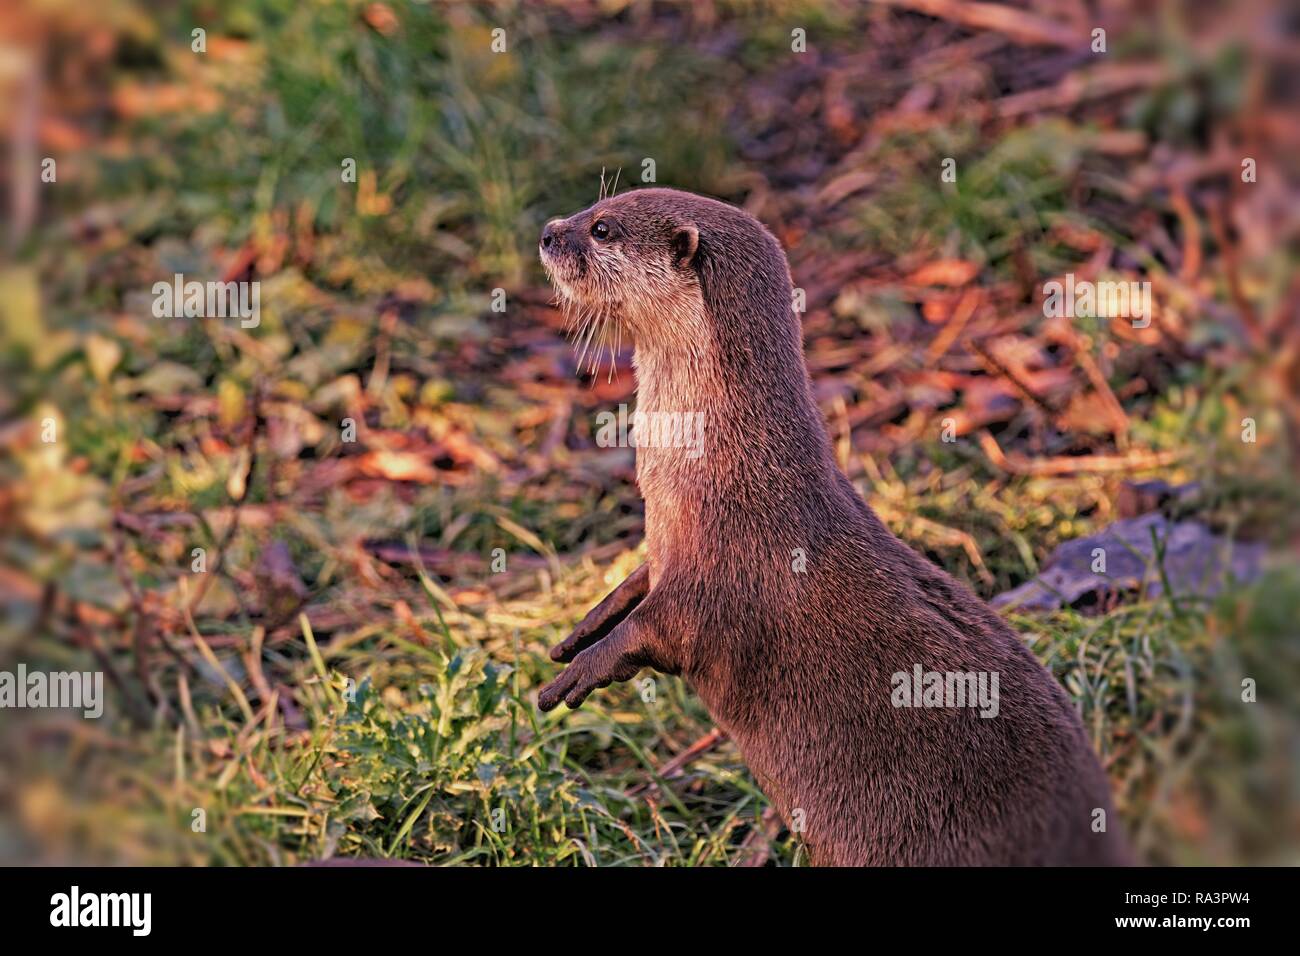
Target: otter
[{"x": 820, "y": 643}]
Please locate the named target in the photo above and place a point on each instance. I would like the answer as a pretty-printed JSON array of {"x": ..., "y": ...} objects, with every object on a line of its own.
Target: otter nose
[{"x": 551, "y": 233}]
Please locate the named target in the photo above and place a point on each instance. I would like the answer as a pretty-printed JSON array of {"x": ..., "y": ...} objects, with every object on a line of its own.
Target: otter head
[{"x": 628, "y": 262}]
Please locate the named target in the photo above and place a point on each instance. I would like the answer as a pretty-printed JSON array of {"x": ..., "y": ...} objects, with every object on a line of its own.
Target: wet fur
[{"x": 796, "y": 667}]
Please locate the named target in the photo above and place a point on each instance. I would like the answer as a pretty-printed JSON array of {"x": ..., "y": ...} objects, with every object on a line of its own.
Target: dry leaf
[{"x": 949, "y": 272}]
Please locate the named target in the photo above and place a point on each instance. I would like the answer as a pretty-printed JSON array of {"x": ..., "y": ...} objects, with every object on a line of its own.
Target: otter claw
[{"x": 594, "y": 668}]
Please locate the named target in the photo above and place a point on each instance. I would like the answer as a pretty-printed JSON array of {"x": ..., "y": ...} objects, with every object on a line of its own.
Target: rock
[{"x": 1196, "y": 562}]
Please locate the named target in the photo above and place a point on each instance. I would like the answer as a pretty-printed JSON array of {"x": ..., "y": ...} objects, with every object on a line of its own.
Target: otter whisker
[
  {"x": 609, "y": 345},
  {"x": 615, "y": 340},
  {"x": 619, "y": 347},
  {"x": 591, "y": 327},
  {"x": 601, "y": 347},
  {"x": 584, "y": 332},
  {"x": 595, "y": 354},
  {"x": 577, "y": 317},
  {"x": 573, "y": 315}
]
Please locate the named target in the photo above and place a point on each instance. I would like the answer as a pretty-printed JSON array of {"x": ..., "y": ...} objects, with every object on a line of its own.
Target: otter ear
[{"x": 686, "y": 239}]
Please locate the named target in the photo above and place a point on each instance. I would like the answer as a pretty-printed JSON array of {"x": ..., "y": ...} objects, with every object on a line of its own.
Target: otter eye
[{"x": 600, "y": 229}]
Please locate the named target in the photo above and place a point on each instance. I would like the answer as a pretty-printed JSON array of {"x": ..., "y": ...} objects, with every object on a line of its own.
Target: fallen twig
[
  {"x": 1020, "y": 26},
  {"x": 1017, "y": 464}
]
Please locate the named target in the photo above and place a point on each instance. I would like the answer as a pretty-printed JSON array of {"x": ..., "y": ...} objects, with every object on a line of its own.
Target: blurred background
[{"x": 320, "y": 641}]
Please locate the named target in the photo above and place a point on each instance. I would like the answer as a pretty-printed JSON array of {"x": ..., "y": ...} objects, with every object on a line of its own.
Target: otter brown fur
[{"x": 797, "y": 665}]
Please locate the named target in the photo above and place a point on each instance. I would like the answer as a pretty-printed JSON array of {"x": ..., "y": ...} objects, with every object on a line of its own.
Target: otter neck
[
  {"x": 746, "y": 421},
  {"x": 678, "y": 401}
]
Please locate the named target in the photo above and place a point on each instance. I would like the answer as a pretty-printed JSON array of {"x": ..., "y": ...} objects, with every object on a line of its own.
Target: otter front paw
[{"x": 598, "y": 666}]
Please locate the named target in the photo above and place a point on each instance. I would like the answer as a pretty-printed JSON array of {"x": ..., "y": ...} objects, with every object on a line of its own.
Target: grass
[{"x": 430, "y": 748}]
